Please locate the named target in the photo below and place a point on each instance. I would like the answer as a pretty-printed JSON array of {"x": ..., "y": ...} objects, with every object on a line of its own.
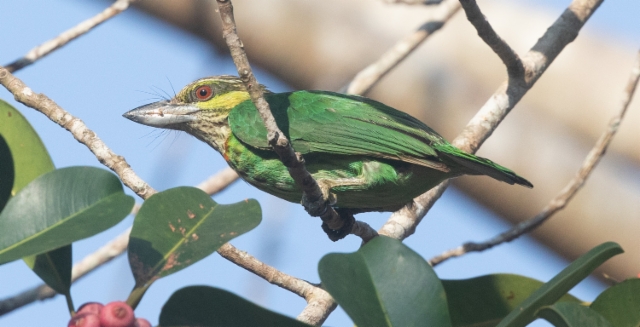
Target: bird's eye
[{"x": 204, "y": 92}]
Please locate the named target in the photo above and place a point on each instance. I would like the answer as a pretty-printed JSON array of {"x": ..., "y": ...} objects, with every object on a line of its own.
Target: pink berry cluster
[{"x": 114, "y": 314}]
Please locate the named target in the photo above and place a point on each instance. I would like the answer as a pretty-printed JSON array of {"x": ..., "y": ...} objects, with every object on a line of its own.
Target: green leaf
[
  {"x": 485, "y": 300},
  {"x": 559, "y": 285},
  {"x": 620, "y": 303},
  {"x": 59, "y": 208},
  {"x": 54, "y": 267},
  {"x": 564, "y": 314},
  {"x": 385, "y": 284},
  {"x": 28, "y": 157},
  {"x": 23, "y": 158},
  {"x": 208, "y": 306},
  {"x": 178, "y": 227}
]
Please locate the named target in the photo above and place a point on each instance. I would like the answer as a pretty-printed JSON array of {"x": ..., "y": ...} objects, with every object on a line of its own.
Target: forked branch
[
  {"x": 574, "y": 185},
  {"x": 509, "y": 57},
  {"x": 563, "y": 31}
]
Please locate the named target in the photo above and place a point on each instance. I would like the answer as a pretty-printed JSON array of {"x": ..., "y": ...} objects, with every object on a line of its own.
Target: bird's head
[{"x": 200, "y": 108}]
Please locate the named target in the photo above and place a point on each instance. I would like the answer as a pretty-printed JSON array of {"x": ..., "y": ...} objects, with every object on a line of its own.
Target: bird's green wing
[{"x": 327, "y": 122}]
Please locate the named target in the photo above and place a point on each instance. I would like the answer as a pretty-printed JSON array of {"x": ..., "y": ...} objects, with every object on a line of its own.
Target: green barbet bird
[{"x": 365, "y": 156}]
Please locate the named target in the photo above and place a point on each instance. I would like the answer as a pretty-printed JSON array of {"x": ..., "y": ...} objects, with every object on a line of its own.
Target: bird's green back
[{"x": 333, "y": 123}]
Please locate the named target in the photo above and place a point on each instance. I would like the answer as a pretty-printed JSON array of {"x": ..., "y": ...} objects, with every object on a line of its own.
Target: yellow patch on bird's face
[
  {"x": 215, "y": 96},
  {"x": 224, "y": 101}
]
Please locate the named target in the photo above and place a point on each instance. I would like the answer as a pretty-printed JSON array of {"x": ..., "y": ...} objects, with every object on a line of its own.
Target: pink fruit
[
  {"x": 117, "y": 314},
  {"x": 141, "y": 322},
  {"x": 91, "y": 307},
  {"x": 84, "y": 320}
]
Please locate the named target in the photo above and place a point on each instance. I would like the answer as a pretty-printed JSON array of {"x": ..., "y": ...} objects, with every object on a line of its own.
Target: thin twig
[
  {"x": 68, "y": 36},
  {"x": 561, "y": 200},
  {"x": 272, "y": 275},
  {"x": 78, "y": 129},
  {"x": 364, "y": 231},
  {"x": 403, "y": 222},
  {"x": 319, "y": 305},
  {"x": 509, "y": 57},
  {"x": 316, "y": 204},
  {"x": 368, "y": 77}
]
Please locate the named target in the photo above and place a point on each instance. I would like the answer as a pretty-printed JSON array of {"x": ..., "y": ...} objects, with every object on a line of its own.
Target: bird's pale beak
[{"x": 162, "y": 114}]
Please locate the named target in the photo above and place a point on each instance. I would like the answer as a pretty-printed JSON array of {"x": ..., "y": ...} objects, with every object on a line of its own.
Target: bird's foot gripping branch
[
  {"x": 337, "y": 223},
  {"x": 338, "y": 227}
]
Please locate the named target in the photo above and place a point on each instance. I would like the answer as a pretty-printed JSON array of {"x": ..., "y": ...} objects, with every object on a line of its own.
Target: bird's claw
[
  {"x": 319, "y": 207},
  {"x": 338, "y": 234},
  {"x": 314, "y": 208}
]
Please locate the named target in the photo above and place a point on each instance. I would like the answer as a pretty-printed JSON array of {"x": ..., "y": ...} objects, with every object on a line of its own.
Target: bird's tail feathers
[{"x": 481, "y": 166}]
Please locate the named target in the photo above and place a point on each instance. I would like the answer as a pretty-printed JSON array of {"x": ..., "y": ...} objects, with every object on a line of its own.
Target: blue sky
[{"x": 112, "y": 69}]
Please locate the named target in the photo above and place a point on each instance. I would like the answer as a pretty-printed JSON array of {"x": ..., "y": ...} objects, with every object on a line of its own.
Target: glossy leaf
[
  {"x": 559, "y": 285},
  {"x": 59, "y": 208},
  {"x": 54, "y": 267},
  {"x": 385, "y": 284},
  {"x": 620, "y": 303},
  {"x": 180, "y": 226},
  {"x": 28, "y": 156},
  {"x": 564, "y": 314},
  {"x": 485, "y": 300},
  {"x": 20, "y": 141},
  {"x": 208, "y": 306}
]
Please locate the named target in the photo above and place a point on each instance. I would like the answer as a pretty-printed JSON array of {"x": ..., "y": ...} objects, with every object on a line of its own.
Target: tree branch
[
  {"x": 368, "y": 77},
  {"x": 403, "y": 222},
  {"x": 561, "y": 200},
  {"x": 272, "y": 275},
  {"x": 68, "y": 36},
  {"x": 509, "y": 57},
  {"x": 320, "y": 304},
  {"x": 78, "y": 129},
  {"x": 364, "y": 231},
  {"x": 317, "y": 204}
]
